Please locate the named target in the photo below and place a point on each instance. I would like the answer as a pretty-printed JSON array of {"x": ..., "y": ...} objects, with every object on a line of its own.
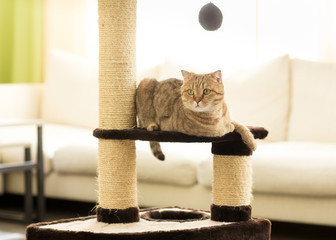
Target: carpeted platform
[{"x": 155, "y": 224}]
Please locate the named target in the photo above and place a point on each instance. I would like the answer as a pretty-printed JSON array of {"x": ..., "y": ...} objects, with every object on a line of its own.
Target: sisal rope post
[
  {"x": 117, "y": 183},
  {"x": 231, "y": 188}
]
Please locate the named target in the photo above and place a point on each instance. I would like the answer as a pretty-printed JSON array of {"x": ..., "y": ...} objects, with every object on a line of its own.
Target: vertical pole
[
  {"x": 40, "y": 175},
  {"x": 29, "y": 206},
  {"x": 117, "y": 83}
]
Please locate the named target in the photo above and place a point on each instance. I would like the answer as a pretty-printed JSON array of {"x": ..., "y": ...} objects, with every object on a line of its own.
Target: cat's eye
[
  {"x": 190, "y": 92},
  {"x": 206, "y": 91}
]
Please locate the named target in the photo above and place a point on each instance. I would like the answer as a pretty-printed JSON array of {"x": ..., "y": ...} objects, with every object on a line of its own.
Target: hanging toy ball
[{"x": 210, "y": 17}]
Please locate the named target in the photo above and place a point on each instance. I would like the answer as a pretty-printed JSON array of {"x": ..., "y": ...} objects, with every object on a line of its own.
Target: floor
[{"x": 57, "y": 209}]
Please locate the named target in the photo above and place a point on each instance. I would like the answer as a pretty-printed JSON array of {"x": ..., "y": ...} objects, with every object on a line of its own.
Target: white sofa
[{"x": 294, "y": 169}]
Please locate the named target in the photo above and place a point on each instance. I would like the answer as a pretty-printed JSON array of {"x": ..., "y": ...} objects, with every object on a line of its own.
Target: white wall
[
  {"x": 169, "y": 29},
  {"x": 71, "y": 25},
  {"x": 305, "y": 29}
]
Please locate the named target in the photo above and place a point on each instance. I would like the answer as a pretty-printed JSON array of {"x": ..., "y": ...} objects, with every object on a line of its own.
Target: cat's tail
[
  {"x": 246, "y": 135},
  {"x": 155, "y": 146},
  {"x": 156, "y": 150}
]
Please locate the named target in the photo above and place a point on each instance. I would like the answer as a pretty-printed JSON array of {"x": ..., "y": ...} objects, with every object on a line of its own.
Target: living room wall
[{"x": 251, "y": 30}]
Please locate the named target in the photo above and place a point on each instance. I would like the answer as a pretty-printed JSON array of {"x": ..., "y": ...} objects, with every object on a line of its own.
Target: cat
[{"x": 194, "y": 106}]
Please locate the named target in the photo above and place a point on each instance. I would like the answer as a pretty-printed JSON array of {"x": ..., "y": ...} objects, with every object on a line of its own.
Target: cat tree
[{"x": 118, "y": 215}]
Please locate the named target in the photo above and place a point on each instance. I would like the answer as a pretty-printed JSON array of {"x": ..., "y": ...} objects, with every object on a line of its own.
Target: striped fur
[{"x": 194, "y": 106}]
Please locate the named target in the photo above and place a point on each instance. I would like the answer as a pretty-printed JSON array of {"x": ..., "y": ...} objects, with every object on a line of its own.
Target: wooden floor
[{"x": 57, "y": 209}]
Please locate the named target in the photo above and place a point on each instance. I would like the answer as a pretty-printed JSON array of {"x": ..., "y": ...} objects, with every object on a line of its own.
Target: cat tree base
[{"x": 155, "y": 224}]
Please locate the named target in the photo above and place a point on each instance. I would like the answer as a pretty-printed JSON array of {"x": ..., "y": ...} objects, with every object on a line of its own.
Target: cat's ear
[
  {"x": 218, "y": 75},
  {"x": 185, "y": 74}
]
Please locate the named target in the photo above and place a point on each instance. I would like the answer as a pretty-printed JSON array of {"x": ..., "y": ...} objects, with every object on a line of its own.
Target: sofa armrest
[{"x": 20, "y": 100}]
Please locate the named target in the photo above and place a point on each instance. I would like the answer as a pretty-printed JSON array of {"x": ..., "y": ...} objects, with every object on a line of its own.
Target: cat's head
[{"x": 202, "y": 92}]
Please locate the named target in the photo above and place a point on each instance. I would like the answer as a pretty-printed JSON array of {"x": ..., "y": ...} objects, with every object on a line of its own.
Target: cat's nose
[{"x": 198, "y": 99}]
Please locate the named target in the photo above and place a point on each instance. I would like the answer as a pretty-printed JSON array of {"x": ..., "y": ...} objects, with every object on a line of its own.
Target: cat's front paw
[
  {"x": 152, "y": 127},
  {"x": 231, "y": 127}
]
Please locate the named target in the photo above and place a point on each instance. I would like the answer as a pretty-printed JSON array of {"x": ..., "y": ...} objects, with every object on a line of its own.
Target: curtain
[{"x": 21, "y": 41}]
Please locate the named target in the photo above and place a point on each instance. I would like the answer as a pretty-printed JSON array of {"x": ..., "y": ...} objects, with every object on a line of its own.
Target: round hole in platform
[{"x": 179, "y": 215}]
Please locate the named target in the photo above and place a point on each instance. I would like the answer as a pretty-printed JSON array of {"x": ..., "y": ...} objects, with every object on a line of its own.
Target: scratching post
[
  {"x": 232, "y": 180},
  {"x": 117, "y": 83},
  {"x": 231, "y": 188}
]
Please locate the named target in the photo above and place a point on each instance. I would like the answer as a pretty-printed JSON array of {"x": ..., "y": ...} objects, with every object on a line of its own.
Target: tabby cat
[{"x": 194, "y": 106}]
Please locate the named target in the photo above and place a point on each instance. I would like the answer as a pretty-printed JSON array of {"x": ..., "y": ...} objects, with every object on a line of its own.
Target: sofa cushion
[
  {"x": 66, "y": 145},
  {"x": 313, "y": 116},
  {"x": 76, "y": 159},
  {"x": 295, "y": 168},
  {"x": 259, "y": 96},
  {"x": 71, "y": 90},
  {"x": 298, "y": 168},
  {"x": 57, "y": 136},
  {"x": 23, "y": 134},
  {"x": 177, "y": 169}
]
